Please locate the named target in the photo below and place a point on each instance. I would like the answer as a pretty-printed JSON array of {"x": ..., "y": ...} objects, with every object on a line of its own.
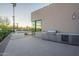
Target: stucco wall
[{"x": 59, "y": 17}]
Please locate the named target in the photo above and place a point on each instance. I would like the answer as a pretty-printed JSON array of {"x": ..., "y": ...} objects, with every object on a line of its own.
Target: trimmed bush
[{"x": 4, "y": 33}]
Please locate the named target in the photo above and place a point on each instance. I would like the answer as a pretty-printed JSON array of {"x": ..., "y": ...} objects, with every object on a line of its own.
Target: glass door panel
[{"x": 36, "y": 26}]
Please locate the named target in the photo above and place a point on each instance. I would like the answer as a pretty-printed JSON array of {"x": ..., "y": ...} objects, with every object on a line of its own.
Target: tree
[
  {"x": 4, "y": 22},
  {"x": 7, "y": 21}
]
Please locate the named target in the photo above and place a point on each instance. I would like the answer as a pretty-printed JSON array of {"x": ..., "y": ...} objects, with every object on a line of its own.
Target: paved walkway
[
  {"x": 3, "y": 44},
  {"x": 21, "y": 45}
]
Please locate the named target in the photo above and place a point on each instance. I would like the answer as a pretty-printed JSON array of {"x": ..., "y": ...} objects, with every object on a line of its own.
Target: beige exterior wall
[{"x": 59, "y": 17}]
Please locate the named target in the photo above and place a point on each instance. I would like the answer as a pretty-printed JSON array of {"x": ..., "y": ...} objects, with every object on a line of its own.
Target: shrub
[{"x": 4, "y": 33}]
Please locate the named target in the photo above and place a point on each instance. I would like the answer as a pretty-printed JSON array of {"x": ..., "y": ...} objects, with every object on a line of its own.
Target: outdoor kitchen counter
[{"x": 70, "y": 38}]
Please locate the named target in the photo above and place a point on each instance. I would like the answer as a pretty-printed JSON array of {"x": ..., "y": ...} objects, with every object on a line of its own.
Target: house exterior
[{"x": 63, "y": 17}]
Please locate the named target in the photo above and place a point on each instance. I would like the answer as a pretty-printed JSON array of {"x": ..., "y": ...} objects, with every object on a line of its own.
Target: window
[{"x": 36, "y": 25}]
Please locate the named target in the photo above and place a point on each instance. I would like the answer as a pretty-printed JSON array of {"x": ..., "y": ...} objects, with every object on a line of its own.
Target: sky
[{"x": 22, "y": 12}]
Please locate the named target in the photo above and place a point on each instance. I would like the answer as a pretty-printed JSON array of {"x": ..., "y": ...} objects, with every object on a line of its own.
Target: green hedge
[{"x": 4, "y": 33}]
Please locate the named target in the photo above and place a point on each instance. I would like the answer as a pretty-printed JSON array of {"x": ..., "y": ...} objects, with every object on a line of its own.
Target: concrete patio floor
[{"x": 27, "y": 45}]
